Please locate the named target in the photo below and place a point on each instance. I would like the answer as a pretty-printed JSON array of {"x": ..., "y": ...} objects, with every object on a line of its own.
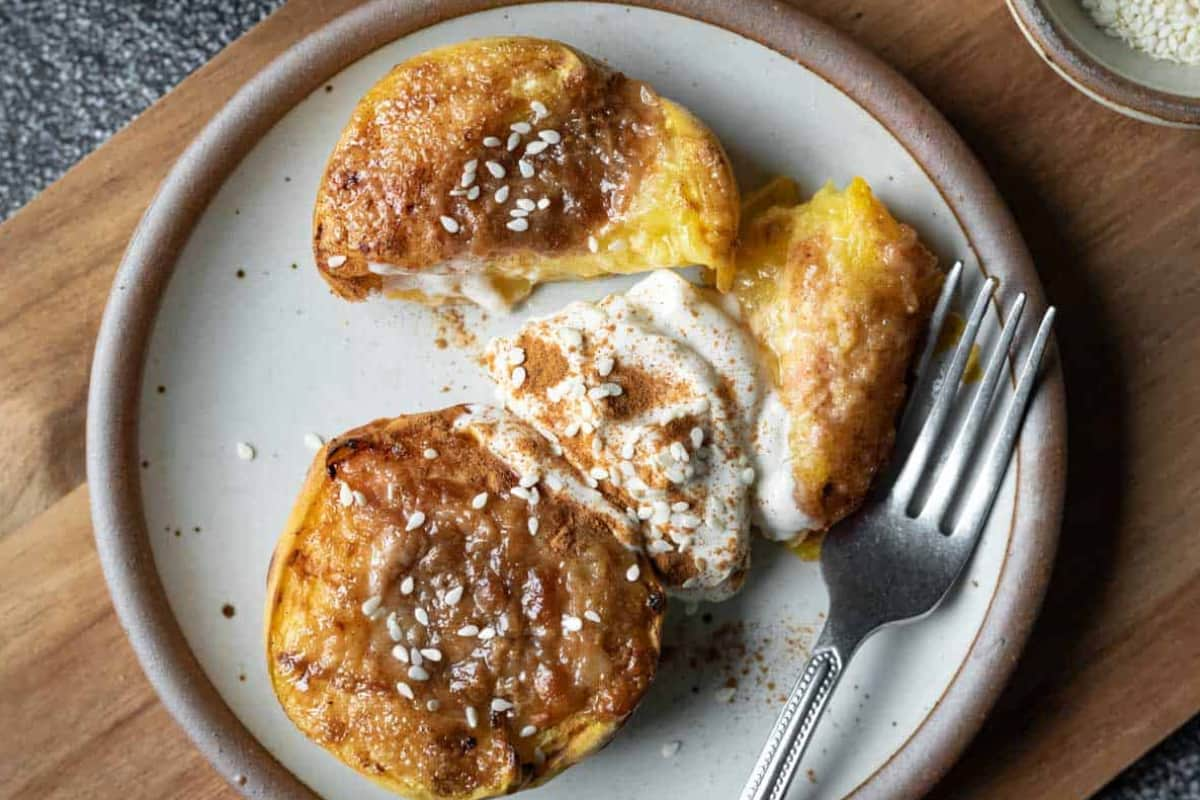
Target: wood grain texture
[{"x": 1109, "y": 209}]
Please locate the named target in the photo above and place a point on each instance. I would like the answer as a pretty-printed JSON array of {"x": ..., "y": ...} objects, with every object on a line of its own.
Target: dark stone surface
[{"x": 73, "y": 72}]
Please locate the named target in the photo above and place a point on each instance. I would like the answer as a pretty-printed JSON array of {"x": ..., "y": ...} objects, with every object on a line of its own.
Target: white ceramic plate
[{"x": 249, "y": 345}]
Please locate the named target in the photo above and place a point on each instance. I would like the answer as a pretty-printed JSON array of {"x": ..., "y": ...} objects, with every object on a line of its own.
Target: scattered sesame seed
[
  {"x": 245, "y": 451},
  {"x": 571, "y": 430},
  {"x": 360, "y": 498},
  {"x": 520, "y": 491},
  {"x": 514, "y": 139},
  {"x": 422, "y": 616},
  {"x": 613, "y": 389},
  {"x": 313, "y": 441},
  {"x": 633, "y": 573},
  {"x": 496, "y": 169},
  {"x": 680, "y": 506},
  {"x": 456, "y": 192},
  {"x": 526, "y": 203},
  {"x": 527, "y": 731},
  {"x": 468, "y": 630},
  {"x": 418, "y": 673},
  {"x": 627, "y": 451},
  {"x": 675, "y": 475},
  {"x": 479, "y": 500},
  {"x": 471, "y": 165},
  {"x": 645, "y": 512},
  {"x": 518, "y": 225},
  {"x": 593, "y": 245},
  {"x": 724, "y": 694},
  {"x": 554, "y": 482},
  {"x": 335, "y": 261},
  {"x": 432, "y": 705},
  {"x": 432, "y": 653},
  {"x": 345, "y": 494},
  {"x": 501, "y": 705},
  {"x": 371, "y": 605},
  {"x": 526, "y": 168},
  {"x": 529, "y": 480},
  {"x": 591, "y": 616},
  {"x": 472, "y": 716},
  {"x": 518, "y": 374},
  {"x": 516, "y": 356},
  {"x": 550, "y": 136},
  {"x": 747, "y": 476},
  {"x": 430, "y": 453},
  {"x": 517, "y": 213},
  {"x": 405, "y": 690},
  {"x": 587, "y": 428},
  {"x": 521, "y": 127},
  {"x": 538, "y": 108},
  {"x": 487, "y": 633},
  {"x": 414, "y": 656},
  {"x": 571, "y": 623},
  {"x": 453, "y": 596},
  {"x": 501, "y": 194},
  {"x": 689, "y": 521},
  {"x": 473, "y": 193},
  {"x": 543, "y": 203},
  {"x": 468, "y": 178},
  {"x": 394, "y": 630},
  {"x": 491, "y": 141},
  {"x": 670, "y": 749},
  {"x": 678, "y": 452},
  {"x": 406, "y": 585},
  {"x": 535, "y": 147},
  {"x": 597, "y": 446},
  {"x": 449, "y": 223},
  {"x": 697, "y": 435},
  {"x": 416, "y": 520},
  {"x": 599, "y": 473},
  {"x": 533, "y": 526},
  {"x": 604, "y": 366}
]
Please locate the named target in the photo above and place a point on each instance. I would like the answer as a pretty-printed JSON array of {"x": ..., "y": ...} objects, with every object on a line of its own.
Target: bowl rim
[
  {"x": 1095, "y": 78},
  {"x": 121, "y": 535}
]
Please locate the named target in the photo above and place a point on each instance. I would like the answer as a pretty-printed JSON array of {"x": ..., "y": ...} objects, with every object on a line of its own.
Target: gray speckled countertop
[{"x": 74, "y": 71}]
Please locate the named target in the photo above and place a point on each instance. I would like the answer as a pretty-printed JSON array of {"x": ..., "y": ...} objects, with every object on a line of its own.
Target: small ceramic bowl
[{"x": 1106, "y": 68}]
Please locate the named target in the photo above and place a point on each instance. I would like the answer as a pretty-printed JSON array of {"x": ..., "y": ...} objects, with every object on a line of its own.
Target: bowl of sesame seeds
[{"x": 1140, "y": 58}]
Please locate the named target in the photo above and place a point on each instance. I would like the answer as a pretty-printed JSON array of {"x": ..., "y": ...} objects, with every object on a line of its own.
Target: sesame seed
[
  {"x": 517, "y": 213},
  {"x": 593, "y": 245},
  {"x": 599, "y": 473},
  {"x": 405, "y": 690},
  {"x": 604, "y": 366},
  {"x": 616, "y": 245},
  {"x": 591, "y": 616},
  {"x": 501, "y": 705},
  {"x": 571, "y": 430},
  {"x": 689, "y": 521},
  {"x": 627, "y": 451},
  {"x": 543, "y": 203},
  {"x": 479, "y": 500},
  {"x": 345, "y": 494},
  {"x": 245, "y": 451},
  {"x": 633, "y": 573},
  {"x": 406, "y": 585},
  {"x": 415, "y": 656},
  {"x": 526, "y": 168},
  {"x": 521, "y": 127},
  {"x": 453, "y": 596},
  {"x": 645, "y": 512},
  {"x": 430, "y": 453},
  {"x": 501, "y": 194},
  {"x": 533, "y": 148},
  {"x": 371, "y": 605},
  {"x": 587, "y": 428},
  {"x": 456, "y": 192},
  {"x": 571, "y": 336},
  {"x": 394, "y": 630},
  {"x": 533, "y": 526},
  {"x": 467, "y": 179},
  {"x": 554, "y": 482},
  {"x": 571, "y": 623},
  {"x": 520, "y": 491},
  {"x": 496, "y": 169},
  {"x": 680, "y": 506},
  {"x": 432, "y": 705},
  {"x": 724, "y": 694},
  {"x": 468, "y": 630},
  {"x": 538, "y": 108},
  {"x": 675, "y": 475},
  {"x": 518, "y": 225},
  {"x": 487, "y": 633},
  {"x": 646, "y": 96},
  {"x": 516, "y": 356},
  {"x": 514, "y": 139},
  {"x": 518, "y": 375},
  {"x": 449, "y": 223},
  {"x": 491, "y": 141},
  {"x": 526, "y": 204},
  {"x": 473, "y": 193},
  {"x": 534, "y": 496},
  {"x": 471, "y": 166},
  {"x": 418, "y": 673},
  {"x": 313, "y": 442},
  {"x": 529, "y": 480},
  {"x": 747, "y": 476},
  {"x": 550, "y": 136},
  {"x": 432, "y": 653},
  {"x": 613, "y": 389},
  {"x": 422, "y": 616},
  {"x": 670, "y": 749},
  {"x": 416, "y": 520},
  {"x": 697, "y": 435},
  {"x": 662, "y": 513},
  {"x": 527, "y": 731},
  {"x": 472, "y": 716},
  {"x": 391, "y": 492},
  {"x": 597, "y": 445},
  {"x": 335, "y": 261},
  {"x": 597, "y": 393},
  {"x": 678, "y": 452},
  {"x": 360, "y": 498}
]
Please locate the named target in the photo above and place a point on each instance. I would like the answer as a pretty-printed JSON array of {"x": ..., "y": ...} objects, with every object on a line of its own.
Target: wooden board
[{"x": 1109, "y": 207}]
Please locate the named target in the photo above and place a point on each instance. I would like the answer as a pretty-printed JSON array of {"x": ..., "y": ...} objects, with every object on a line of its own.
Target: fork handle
[{"x": 793, "y": 729}]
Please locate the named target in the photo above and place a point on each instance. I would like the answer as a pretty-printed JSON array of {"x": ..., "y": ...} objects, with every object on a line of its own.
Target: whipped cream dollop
[{"x": 656, "y": 396}]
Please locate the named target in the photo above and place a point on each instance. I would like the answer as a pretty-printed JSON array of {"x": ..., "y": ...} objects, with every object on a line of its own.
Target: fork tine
[
  {"x": 951, "y": 473},
  {"x": 990, "y": 477},
  {"x": 914, "y": 466},
  {"x": 933, "y": 333}
]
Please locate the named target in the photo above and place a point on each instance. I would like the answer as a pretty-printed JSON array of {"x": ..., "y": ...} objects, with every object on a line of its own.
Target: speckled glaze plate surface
[{"x": 219, "y": 330}]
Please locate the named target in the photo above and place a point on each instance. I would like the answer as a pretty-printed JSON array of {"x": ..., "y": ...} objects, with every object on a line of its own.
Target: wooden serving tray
[{"x": 1110, "y": 210}]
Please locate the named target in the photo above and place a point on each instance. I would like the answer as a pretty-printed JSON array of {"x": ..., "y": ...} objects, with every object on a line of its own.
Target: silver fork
[{"x": 897, "y": 558}]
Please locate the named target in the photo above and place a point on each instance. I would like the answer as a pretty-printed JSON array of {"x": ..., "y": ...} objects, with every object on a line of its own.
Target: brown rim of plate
[
  {"x": 123, "y": 541},
  {"x": 1091, "y": 76}
]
